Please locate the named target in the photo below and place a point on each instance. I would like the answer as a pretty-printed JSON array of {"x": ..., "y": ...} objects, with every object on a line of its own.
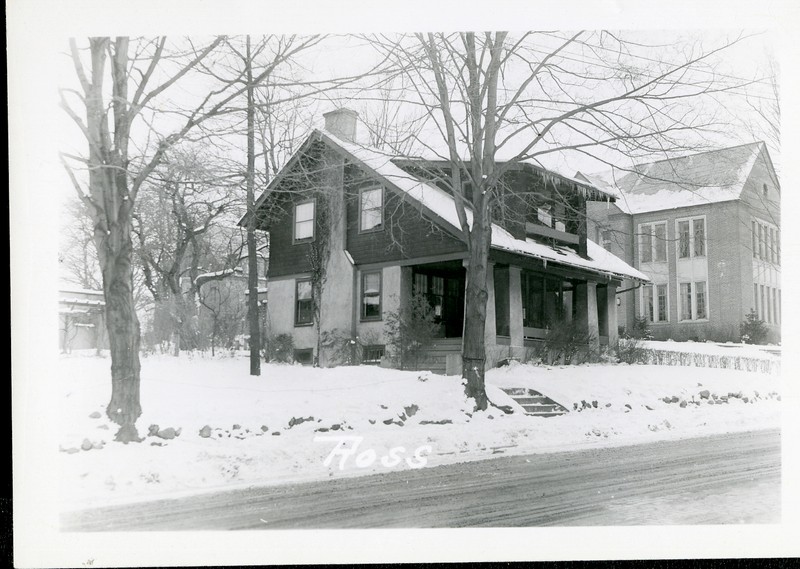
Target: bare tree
[
  {"x": 496, "y": 100},
  {"x": 140, "y": 72}
]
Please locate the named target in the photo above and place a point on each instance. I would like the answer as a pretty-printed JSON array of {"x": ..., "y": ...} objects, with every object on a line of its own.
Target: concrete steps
[{"x": 534, "y": 403}]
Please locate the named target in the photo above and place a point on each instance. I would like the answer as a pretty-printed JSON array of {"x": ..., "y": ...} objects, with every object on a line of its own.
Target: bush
[
  {"x": 569, "y": 342},
  {"x": 631, "y": 351},
  {"x": 752, "y": 329},
  {"x": 280, "y": 348},
  {"x": 410, "y": 329}
]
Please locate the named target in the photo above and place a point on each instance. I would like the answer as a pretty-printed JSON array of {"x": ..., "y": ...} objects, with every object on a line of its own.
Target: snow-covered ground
[{"x": 238, "y": 430}]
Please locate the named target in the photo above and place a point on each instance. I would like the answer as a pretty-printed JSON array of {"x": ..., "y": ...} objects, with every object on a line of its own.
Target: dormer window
[
  {"x": 371, "y": 209},
  {"x": 304, "y": 221},
  {"x": 766, "y": 190}
]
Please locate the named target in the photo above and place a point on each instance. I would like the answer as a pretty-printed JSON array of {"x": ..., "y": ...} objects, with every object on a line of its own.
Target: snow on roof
[
  {"x": 217, "y": 274},
  {"x": 697, "y": 179},
  {"x": 443, "y": 205},
  {"x": 82, "y": 301},
  {"x": 80, "y": 291}
]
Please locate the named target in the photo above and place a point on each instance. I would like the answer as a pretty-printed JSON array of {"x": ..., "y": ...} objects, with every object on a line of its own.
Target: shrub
[
  {"x": 641, "y": 329},
  {"x": 631, "y": 351},
  {"x": 752, "y": 329},
  {"x": 280, "y": 348},
  {"x": 569, "y": 342},
  {"x": 410, "y": 329}
]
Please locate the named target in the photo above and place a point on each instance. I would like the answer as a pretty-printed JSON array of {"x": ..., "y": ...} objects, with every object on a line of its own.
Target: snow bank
[{"x": 283, "y": 426}]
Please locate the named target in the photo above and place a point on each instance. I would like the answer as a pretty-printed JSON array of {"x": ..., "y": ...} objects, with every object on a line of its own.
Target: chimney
[{"x": 341, "y": 123}]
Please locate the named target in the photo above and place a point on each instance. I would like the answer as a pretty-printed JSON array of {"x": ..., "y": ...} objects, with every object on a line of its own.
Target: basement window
[
  {"x": 373, "y": 354},
  {"x": 304, "y": 357}
]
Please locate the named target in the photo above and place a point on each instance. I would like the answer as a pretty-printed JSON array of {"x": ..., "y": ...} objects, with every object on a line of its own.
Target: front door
[{"x": 444, "y": 290}]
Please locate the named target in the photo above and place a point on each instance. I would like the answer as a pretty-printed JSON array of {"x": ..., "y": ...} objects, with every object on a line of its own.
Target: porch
[{"x": 525, "y": 302}]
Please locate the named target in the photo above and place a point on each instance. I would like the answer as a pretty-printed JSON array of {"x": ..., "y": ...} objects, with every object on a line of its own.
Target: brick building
[{"x": 706, "y": 229}]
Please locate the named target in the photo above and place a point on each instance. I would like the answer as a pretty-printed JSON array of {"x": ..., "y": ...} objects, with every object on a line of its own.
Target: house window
[
  {"x": 755, "y": 301},
  {"x": 653, "y": 242},
  {"x": 760, "y": 241},
  {"x": 699, "y": 231},
  {"x": 691, "y": 238},
  {"x": 661, "y": 299},
  {"x": 371, "y": 296},
  {"x": 700, "y": 301},
  {"x": 775, "y": 312},
  {"x": 371, "y": 209},
  {"x": 373, "y": 354},
  {"x": 694, "y": 301},
  {"x": 304, "y": 221},
  {"x": 654, "y": 303},
  {"x": 755, "y": 238},
  {"x": 304, "y": 356},
  {"x": 683, "y": 239},
  {"x": 304, "y": 303},
  {"x": 770, "y": 317},
  {"x": 763, "y": 304},
  {"x": 605, "y": 239},
  {"x": 544, "y": 216}
]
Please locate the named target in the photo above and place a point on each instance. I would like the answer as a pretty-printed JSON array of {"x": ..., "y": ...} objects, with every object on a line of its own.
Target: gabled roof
[
  {"x": 697, "y": 179},
  {"x": 439, "y": 205}
]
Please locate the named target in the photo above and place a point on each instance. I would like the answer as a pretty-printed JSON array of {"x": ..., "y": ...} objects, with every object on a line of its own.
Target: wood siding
[{"x": 406, "y": 232}]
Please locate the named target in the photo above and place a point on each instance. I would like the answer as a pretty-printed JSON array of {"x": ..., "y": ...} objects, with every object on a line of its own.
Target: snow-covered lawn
[{"x": 281, "y": 427}]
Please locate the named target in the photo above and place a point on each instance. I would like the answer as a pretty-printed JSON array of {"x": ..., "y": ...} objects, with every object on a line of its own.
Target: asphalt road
[{"x": 713, "y": 480}]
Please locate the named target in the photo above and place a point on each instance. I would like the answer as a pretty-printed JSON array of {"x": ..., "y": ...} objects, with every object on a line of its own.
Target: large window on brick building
[
  {"x": 655, "y": 303},
  {"x": 693, "y": 300},
  {"x": 692, "y": 241},
  {"x": 653, "y": 242}
]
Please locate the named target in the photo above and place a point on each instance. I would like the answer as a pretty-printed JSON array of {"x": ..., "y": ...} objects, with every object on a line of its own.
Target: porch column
[
  {"x": 611, "y": 317},
  {"x": 406, "y": 284},
  {"x": 586, "y": 309},
  {"x": 515, "y": 306},
  {"x": 490, "y": 330}
]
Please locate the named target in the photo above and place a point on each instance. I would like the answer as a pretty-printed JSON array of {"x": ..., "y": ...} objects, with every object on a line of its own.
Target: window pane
[
  {"x": 699, "y": 237},
  {"x": 648, "y": 302},
  {"x": 304, "y": 212},
  {"x": 304, "y": 230},
  {"x": 776, "y": 314},
  {"x": 371, "y": 296},
  {"x": 371, "y": 199},
  {"x": 700, "y": 300},
  {"x": 683, "y": 239},
  {"x": 760, "y": 241},
  {"x": 371, "y": 208},
  {"x": 420, "y": 283},
  {"x": 755, "y": 238},
  {"x": 304, "y": 290},
  {"x": 370, "y": 219},
  {"x": 646, "y": 244},
  {"x": 662, "y": 303},
  {"x": 755, "y": 301},
  {"x": 763, "y": 304},
  {"x": 686, "y": 301},
  {"x": 543, "y": 215},
  {"x": 661, "y": 242},
  {"x": 772, "y": 245}
]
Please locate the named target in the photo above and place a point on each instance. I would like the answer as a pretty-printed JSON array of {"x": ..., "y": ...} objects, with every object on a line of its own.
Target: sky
[{"x": 36, "y": 35}]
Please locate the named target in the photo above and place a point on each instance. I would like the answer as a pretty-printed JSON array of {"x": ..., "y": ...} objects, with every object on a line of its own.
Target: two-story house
[
  {"x": 381, "y": 228},
  {"x": 706, "y": 229}
]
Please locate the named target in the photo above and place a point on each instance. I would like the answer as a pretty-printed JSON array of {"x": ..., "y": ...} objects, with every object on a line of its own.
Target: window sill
[
  {"x": 367, "y": 231},
  {"x": 304, "y": 325},
  {"x": 373, "y": 319}
]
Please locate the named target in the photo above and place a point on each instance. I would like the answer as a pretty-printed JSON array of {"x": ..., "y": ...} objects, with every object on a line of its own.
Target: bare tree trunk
[
  {"x": 252, "y": 259},
  {"x": 474, "y": 349},
  {"x": 123, "y": 335}
]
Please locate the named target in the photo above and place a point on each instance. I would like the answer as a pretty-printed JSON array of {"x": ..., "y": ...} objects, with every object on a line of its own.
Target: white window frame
[
  {"x": 693, "y": 301},
  {"x": 313, "y": 220},
  {"x": 691, "y": 221},
  {"x": 651, "y": 225},
  {"x": 656, "y": 305},
  {"x": 361, "y": 193}
]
